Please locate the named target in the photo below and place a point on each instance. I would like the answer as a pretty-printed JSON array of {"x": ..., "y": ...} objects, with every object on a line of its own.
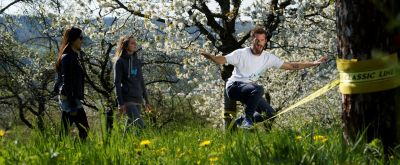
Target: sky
[{"x": 15, "y": 9}]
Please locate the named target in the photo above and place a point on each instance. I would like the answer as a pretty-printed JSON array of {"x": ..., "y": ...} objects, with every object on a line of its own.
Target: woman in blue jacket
[{"x": 129, "y": 83}]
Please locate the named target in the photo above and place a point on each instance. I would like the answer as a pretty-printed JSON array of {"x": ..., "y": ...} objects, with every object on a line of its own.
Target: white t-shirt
[{"x": 249, "y": 67}]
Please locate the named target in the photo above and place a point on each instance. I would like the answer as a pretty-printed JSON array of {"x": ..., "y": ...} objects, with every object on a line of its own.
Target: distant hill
[{"x": 28, "y": 27}]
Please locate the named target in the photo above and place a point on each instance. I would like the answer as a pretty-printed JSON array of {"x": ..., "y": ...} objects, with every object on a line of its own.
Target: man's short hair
[{"x": 258, "y": 30}]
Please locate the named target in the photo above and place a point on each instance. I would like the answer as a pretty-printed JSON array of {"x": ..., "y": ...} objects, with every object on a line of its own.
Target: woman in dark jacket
[
  {"x": 129, "y": 82},
  {"x": 71, "y": 89}
]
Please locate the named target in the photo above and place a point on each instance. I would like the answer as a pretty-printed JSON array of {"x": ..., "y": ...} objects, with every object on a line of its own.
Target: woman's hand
[
  {"x": 149, "y": 109},
  {"x": 122, "y": 109}
]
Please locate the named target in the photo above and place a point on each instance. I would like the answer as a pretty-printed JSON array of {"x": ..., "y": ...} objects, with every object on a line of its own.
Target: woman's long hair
[
  {"x": 122, "y": 45},
  {"x": 70, "y": 35}
]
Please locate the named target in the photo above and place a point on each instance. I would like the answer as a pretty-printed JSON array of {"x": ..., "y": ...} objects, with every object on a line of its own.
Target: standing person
[
  {"x": 71, "y": 82},
  {"x": 249, "y": 63},
  {"x": 129, "y": 83}
]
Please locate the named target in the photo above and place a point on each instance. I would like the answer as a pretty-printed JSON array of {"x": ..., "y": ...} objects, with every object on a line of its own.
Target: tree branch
[
  {"x": 9, "y": 5},
  {"x": 162, "y": 62},
  {"x": 137, "y": 13},
  {"x": 166, "y": 81}
]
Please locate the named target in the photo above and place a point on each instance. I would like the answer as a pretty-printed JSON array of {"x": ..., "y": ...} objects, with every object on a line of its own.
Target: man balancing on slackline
[{"x": 249, "y": 63}]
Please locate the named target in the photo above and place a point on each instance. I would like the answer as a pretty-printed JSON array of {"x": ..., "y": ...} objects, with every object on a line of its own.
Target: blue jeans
[
  {"x": 64, "y": 105},
  {"x": 134, "y": 117},
  {"x": 251, "y": 95},
  {"x": 71, "y": 115}
]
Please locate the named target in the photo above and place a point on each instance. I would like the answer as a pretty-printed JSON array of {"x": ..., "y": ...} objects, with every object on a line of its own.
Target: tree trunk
[
  {"x": 22, "y": 113},
  {"x": 230, "y": 106},
  {"x": 362, "y": 26},
  {"x": 39, "y": 117}
]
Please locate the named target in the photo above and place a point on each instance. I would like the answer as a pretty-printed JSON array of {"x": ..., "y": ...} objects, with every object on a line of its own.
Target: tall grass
[{"x": 189, "y": 143}]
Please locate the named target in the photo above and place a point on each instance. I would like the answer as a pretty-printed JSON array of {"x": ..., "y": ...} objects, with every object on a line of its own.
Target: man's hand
[
  {"x": 321, "y": 60},
  {"x": 206, "y": 55},
  {"x": 302, "y": 65}
]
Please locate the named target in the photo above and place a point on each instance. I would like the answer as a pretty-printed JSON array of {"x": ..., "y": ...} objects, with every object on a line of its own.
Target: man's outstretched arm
[
  {"x": 216, "y": 59},
  {"x": 302, "y": 65}
]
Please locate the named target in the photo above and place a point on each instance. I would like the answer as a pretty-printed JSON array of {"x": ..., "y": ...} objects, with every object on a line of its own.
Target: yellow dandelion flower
[
  {"x": 298, "y": 137},
  {"x": 2, "y": 133},
  {"x": 205, "y": 143},
  {"x": 320, "y": 138},
  {"x": 145, "y": 143},
  {"x": 213, "y": 159},
  {"x": 162, "y": 151}
]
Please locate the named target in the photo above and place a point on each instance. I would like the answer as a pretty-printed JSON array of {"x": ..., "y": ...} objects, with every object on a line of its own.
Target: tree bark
[{"x": 362, "y": 26}]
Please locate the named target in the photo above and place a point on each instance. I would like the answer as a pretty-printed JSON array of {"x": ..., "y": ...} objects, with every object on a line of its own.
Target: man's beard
[{"x": 257, "y": 49}]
